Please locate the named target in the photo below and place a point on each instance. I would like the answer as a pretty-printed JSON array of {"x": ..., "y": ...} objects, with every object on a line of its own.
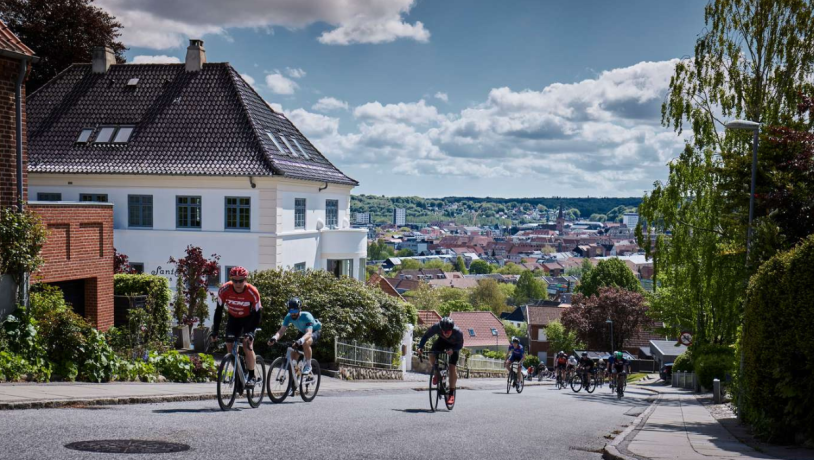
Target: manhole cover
[{"x": 128, "y": 446}]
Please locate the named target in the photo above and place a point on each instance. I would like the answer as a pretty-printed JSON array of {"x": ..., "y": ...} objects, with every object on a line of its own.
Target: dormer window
[
  {"x": 123, "y": 134},
  {"x": 114, "y": 134},
  {"x": 84, "y": 136}
]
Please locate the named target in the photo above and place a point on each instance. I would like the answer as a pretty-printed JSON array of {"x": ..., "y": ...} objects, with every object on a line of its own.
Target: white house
[{"x": 190, "y": 154}]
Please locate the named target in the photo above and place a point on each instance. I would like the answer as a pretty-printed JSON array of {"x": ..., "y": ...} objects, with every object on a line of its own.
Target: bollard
[
  {"x": 716, "y": 391},
  {"x": 674, "y": 379}
]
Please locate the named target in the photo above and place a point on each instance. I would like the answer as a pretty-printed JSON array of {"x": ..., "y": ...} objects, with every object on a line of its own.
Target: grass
[{"x": 635, "y": 377}]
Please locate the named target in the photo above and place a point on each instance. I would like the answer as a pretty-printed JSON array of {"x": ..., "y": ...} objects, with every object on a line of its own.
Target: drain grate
[{"x": 128, "y": 446}]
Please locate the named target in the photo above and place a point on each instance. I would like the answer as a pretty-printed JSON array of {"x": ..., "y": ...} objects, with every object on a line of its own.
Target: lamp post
[
  {"x": 611, "y": 326},
  {"x": 494, "y": 333},
  {"x": 755, "y": 128}
]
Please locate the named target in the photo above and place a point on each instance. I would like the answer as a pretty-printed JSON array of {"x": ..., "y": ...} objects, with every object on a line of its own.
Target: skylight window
[
  {"x": 105, "y": 134},
  {"x": 288, "y": 145},
  {"x": 123, "y": 134},
  {"x": 471, "y": 333},
  {"x": 85, "y": 135},
  {"x": 300, "y": 147},
  {"x": 276, "y": 144},
  {"x": 132, "y": 82}
]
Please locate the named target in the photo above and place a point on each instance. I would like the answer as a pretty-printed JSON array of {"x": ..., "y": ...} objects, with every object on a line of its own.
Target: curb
[
  {"x": 103, "y": 401},
  {"x": 611, "y": 450}
]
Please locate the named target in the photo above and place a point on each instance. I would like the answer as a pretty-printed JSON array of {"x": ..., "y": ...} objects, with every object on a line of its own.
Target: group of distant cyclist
[
  {"x": 614, "y": 369},
  {"x": 242, "y": 302}
]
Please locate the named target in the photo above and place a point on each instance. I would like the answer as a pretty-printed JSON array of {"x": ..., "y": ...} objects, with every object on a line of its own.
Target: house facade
[{"x": 190, "y": 154}]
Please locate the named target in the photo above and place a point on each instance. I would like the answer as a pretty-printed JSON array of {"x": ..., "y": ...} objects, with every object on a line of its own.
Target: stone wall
[
  {"x": 366, "y": 373},
  {"x": 463, "y": 373}
]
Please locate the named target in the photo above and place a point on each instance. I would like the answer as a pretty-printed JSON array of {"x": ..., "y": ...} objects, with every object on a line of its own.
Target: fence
[
  {"x": 684, "y": 380},
  {"x": 479, "y": 363},
  {"x": 364, "y": 355}
]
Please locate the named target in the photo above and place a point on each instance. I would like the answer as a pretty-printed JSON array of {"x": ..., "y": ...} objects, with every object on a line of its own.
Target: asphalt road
[{"x": 485, "y": 424}]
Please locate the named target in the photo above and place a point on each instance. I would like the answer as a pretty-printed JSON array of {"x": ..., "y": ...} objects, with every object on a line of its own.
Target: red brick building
[
  {"x": 78, "y": 252},
  {"x": 538, "y": 318}
]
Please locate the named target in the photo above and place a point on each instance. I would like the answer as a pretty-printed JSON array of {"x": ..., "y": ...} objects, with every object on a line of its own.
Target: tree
[
  {"x": 405, "y": 253},
  {"x": 480, "y": 267},
  {"x": 515, "y": 331},
  {"x": 488, "y": 296},
  {"x": 121, "y": 263},
  {"x": 440, "y": 264},
  {"x": 60, "y": 32},
  {"x": 460, "y": 266},
  {"x": 560, "y": 339},
  {"x": 22, "y": 236},
  {"x": 454, "y": 305},
  {"x": 508, "y": 290},
  {"x": 425, "y": 297},
  {"x": 609, "y": 272},
  {"x": 193, "y": 272},
  {"x": 511, "y": 268},
  {"x": 529, "y": 289},
  {"x": 446, "y": 294},
  {"x": 588, "y": 317}
]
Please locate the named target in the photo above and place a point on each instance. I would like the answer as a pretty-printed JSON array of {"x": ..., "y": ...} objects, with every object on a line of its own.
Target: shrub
[
  {"x": 45, "y": 298},
  {"x": 683, "y": 363},
  {"x": 346, "y": 308},
  {"x": 137, "y": 370},
  {"x": 157, "y": 290},
  {"x": 778, "y": 346},
  {"x": 203, "y": 367},
  {"x": 173, "y": 365},
  {"x": 13, "y": 367},
  {"x": 531, "y": 360},
  {"x": 713, "y": 362}
]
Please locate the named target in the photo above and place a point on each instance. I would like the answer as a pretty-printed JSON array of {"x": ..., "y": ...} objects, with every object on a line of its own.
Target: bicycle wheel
[
  {"x": 576, "y": 384},
  {"x": 433, "y": 393},
  {"x": 309, "y": 384},
  {"x": 590, "y": 385},
  {"x": 509, "y": 383},
  {"x": 279, "y": 380},
  {"x": 259, "y": 383},
  {"x": 520, "y": 384},
  {"x": 227, "y": 390}
]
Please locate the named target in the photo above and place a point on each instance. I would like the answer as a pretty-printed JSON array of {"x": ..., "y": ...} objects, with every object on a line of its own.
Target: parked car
[{"x": 666, "y": 372}]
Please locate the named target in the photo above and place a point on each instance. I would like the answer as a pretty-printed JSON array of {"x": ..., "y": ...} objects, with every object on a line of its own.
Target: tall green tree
[
  {"x": 480, "y": 267},
  {"x": 489, "y": 296},
  {"x": 529, "y": 289},
  {"x": 60, "y": 32},
  {"x": 460, "y": 266},
  {"x": 589, "y": 314},
  {"x": 609, "y": 272},
  {"x": 561, "y": 339}
]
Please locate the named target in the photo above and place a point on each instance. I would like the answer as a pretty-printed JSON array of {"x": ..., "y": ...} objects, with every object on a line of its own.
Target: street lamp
[
  {"x": 494, "y": 333},
  {"x": 608, "y": 321},
  {"x": 755, "y": 128}
]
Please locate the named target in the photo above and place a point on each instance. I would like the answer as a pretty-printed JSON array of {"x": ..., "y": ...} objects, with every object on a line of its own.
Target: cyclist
[
  {"x": 309, "y": 328},
  {"x": 242, "y": 301},
  {"x": 451, "y": 339},
  {"x": 561, "y": 361},
  {"x": 586, "y": 365},
  {"x": 602, "y": 367},
  {"x": 572, "y": 365},
  {"x": 516, "y": 353},
  {"x": 618, "y": 365}
]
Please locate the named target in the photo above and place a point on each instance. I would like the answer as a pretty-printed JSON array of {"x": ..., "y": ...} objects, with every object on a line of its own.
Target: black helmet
[
  {"x": 294, "y": 303},
  {"x": 446, "y": 324}
]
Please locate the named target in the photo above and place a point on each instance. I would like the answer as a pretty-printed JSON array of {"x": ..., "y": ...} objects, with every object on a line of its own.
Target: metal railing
[
  {"x": 364, "y": 355},
  {"x": 480, "y": 363}
]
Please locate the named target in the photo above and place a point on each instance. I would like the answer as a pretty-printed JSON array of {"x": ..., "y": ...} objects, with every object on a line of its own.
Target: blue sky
[{"x": 451, "y": 97}]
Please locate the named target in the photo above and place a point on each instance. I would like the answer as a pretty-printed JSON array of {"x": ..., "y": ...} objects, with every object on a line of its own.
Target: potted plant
[{"x": 193, "y": 274}]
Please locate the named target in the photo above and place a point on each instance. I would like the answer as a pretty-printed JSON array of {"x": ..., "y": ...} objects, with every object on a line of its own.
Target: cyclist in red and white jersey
[{"x": 242, "y": 301}]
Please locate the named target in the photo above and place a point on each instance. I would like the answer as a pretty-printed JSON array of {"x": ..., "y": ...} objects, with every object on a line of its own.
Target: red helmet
[{"x": 238, "y": 272}]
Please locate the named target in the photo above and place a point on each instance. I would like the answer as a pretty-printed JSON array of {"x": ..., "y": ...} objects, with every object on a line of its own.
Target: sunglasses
[{"x": 239, "y": 281}]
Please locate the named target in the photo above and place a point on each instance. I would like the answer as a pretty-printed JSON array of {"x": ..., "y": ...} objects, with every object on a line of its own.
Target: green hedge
[
  {"x": 778, "y": 345},
  {"x": 713, "y": 362},
  {"x": 683, "y": 363},
  {"x": 345, "y": 307},
  {"x": 157, "y": 290}
]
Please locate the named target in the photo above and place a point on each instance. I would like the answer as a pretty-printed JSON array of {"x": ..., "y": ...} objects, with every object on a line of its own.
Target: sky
[{"x": 508, "y": 98}]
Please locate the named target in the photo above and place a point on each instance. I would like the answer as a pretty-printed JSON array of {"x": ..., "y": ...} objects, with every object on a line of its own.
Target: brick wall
[
  {"x": 9, "y": 71},
  {"x": 80, "y": 247},
  {"x": 535, "y": 346}
]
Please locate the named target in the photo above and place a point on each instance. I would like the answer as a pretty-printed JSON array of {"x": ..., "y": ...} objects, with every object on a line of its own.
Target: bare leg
[
  {"x": 248, "y": 349},
  {"x": 453, "y": 376},
  {"x": 306, "y": 348},
  {"x": 433, "y": 359}
]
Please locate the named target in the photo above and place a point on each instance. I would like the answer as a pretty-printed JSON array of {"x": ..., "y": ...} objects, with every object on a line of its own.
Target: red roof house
[{"x": 479, "y": 328}]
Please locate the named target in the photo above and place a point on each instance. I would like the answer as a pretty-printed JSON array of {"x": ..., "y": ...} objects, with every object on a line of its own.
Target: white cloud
[
  {"x": 600, "y": 136},
  {"x": 279, "y": 84},
  {"x": 329, "y": 104},
  {"x": 161, "y": 24},
  {"x": 295, "y": 73},
  {"x": 160, "y": 59},
  {"x": 417, "y": 113},
  {"x": 442, "y": 96},
  {"x": 248, "y": 78}
]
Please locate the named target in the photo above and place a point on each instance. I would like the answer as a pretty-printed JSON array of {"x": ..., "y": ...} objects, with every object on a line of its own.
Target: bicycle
[
  {"x": 584, "y": 379},
  {"x": 513, "y": 381},
  {"x": 282, "y": 372},
  {"x": 441, "y": 387},
  {"x": 621, "y": 385},
  {"x": 232, "y": 366},
  {"x": 560, "y": 384}
]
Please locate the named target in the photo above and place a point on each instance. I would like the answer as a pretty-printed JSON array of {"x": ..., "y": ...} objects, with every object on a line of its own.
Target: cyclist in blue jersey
[
  {"x": 516, "y": 353},
  {"x": 451, "y": 340},
  {"x": 309, "y": 327},
  {"x": 617, "y": 365}
]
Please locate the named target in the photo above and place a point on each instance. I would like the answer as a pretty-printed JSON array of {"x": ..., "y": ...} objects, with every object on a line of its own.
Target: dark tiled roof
[
  {"x": 10, "y": 42},
  {"x": 209, "y": 123}
]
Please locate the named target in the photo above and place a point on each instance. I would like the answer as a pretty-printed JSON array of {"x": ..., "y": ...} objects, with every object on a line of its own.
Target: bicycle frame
[{"x": 239, "y": 371}]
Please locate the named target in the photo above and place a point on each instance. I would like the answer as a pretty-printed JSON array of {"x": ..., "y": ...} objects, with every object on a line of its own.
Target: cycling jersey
[
  {"x": 617, "y": 365},
  {"x": 456, "y": 340},
  {"x": 586, "y": 362},
  {"x": 517, "y": 353},
  {"x": 572, "y": 361},
  {"x": 239, "y": 304},
  {"x": 303, "y": 322},
  {"x": 562, "y": 360}
]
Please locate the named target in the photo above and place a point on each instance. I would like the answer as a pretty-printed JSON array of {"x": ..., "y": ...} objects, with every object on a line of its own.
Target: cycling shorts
[
  {"x": 315, "y": 335},
  {"x": 515, "y": 359},
  {"x": 237, "y": 327},
  {"x": 560, "y": 366},
  {"x": 441, "y": 345}
]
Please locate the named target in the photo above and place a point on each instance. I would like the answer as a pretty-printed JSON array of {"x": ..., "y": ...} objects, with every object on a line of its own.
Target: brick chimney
[
  {"x": 103, "y": 58},
  {"x": 196, "y": 56}
]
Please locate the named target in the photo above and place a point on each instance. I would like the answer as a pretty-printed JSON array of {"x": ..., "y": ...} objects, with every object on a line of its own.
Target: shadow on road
[
  {"x": 415, "y": 411},
  {"x": 192, "y": 411}
]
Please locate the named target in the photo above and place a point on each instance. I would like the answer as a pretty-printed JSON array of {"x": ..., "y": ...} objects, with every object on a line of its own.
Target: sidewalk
[
  {"x": 678, "y": 426},
  {"x": 45, "y": 395}
]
